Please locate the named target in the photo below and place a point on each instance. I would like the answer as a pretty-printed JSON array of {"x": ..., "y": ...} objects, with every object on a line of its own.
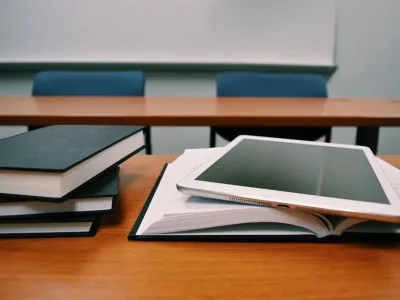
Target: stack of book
[
  {"x": 57, "y": 181},
  {"x": 172, "y": 216}
]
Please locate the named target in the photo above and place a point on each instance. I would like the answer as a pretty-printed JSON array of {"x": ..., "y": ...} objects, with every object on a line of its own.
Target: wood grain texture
[
  {"x": 110, "y": 267},
  {"x": 189, "y": 111}
]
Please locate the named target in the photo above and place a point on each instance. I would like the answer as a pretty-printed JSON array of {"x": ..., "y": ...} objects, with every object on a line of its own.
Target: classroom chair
[
  {"x": 91, "y": 83},
  {"x": 257, "y": 84}
]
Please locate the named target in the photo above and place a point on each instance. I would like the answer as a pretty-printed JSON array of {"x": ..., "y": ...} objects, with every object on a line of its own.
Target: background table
[
  {"x": 367, "y": 115},
  {"x": 108, "y": 266}
]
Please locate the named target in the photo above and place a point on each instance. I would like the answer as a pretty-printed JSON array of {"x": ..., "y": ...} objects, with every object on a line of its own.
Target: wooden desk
[
  {"x": 367, "y": 115},
  {"x": 110, "y": 267},
  {"x": 187, "y": 111}
]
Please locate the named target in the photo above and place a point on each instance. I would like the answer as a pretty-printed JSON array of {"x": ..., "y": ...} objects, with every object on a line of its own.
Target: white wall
[{"x": 368, "y": 56}]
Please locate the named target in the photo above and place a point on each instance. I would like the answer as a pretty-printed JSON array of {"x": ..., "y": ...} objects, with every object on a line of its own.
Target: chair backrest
[
  {"x": 89, "y": 83},
  {"x": 257, "y": 84}
]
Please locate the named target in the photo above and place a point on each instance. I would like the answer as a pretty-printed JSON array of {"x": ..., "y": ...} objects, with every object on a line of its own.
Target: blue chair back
[
  {"x": 254, "y": 84},
  {"x": 88, "y": 83},
  {"x": 257, "y": 84}
]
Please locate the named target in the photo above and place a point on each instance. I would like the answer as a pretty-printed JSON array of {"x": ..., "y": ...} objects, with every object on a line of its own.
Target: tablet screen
[{"x": 298, "y": 168}]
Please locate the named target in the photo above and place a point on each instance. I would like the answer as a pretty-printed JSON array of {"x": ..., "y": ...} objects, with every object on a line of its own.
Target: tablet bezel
[{"x": 312, "y": 203}]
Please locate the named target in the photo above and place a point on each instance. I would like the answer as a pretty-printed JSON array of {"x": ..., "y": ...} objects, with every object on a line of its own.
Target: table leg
[
  {"x": 147, "y": 138},
  {"x": 368, "y": 136}
]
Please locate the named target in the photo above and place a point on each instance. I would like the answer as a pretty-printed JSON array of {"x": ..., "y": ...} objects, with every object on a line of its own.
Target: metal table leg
[{"x": 368, "y": 136}]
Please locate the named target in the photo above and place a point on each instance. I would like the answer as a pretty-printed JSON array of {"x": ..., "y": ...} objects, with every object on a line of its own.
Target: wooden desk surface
[
  {"x": 110, "y": 267},
  {"x": 189, "y": 111}
]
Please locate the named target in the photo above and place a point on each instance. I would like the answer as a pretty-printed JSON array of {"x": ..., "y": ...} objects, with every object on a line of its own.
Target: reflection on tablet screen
[{"x": 305, "y": 169}]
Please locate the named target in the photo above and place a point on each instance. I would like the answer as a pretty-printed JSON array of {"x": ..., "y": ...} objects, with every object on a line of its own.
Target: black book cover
[
  {"x": 345, "y": 237},
  {"x": 59, "y": 148},
  {"x": 88, "y": 218}
]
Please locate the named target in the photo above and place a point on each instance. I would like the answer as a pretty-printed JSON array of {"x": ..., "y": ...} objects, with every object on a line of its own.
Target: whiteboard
[{"x": 287, "y": 32}]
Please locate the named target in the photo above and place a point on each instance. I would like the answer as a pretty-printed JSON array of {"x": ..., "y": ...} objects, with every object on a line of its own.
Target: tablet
[{"x": 316, "y": 177}]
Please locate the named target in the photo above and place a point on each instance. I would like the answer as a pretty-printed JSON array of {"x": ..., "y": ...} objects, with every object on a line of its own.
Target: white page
[
  {"x": 71, "y": 205},
  {"x": 56, "y": 227},
  {"x": 392, "y": 173},
  {"x": 256, "y": 215},
  {"x": 196, "y": 157}
]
